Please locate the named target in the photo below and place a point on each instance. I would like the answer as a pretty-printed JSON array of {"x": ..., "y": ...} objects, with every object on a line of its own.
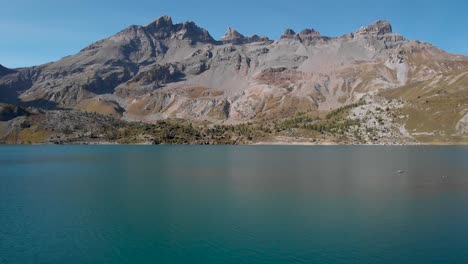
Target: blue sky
[{"x": 34, "y": 32}]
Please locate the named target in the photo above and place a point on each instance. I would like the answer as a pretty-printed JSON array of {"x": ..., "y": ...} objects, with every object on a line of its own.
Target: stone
[{"x": 380, "y": 27}]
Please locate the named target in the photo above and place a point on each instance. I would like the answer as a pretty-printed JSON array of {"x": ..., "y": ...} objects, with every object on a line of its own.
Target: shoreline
[
  {"x": 249, "y": 144},
  {"x": 298, "y": 143}
]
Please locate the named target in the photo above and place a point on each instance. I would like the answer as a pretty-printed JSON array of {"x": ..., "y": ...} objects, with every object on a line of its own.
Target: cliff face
[{"x": 165, "y": 70}]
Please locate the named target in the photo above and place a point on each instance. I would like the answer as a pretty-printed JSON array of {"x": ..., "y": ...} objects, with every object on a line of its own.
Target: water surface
[{"x": 223, "y": 204}]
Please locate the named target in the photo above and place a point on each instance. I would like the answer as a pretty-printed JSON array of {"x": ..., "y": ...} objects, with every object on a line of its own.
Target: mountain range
[{"x": 403, "y": 90}]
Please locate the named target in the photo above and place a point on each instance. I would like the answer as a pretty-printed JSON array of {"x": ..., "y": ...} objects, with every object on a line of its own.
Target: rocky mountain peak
[
  {"x": 190, "y": 30},
  {"x": 256, "y": 38},
  {"x": 380, "y": 27},
  {"x": 312, "y": 36},
  {"x": 288, "y": 34},
  {"x": 309, "y": 31},
  {"x": 309, "y": 34},
  {"x": 163, "y": 28},
  {"x": 161, "y": 22},
  {"x": 232, "y": 34}
]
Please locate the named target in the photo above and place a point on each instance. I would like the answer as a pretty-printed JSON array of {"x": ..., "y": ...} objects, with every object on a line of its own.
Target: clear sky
[{"x": 34, "y": 32}]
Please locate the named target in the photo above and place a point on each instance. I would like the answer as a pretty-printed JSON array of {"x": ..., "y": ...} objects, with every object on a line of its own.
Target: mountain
[{"x": 178, "y": 70}]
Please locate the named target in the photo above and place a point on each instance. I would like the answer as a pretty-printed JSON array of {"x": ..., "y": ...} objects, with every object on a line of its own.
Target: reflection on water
[{"x": 262, "y": 204}]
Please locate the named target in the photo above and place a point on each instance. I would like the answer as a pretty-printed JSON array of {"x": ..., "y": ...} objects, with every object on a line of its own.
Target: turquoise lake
[{"x": 233, "y": 204}]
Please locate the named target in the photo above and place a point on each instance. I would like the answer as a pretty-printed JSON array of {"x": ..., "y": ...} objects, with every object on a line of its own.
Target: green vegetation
[
  {"x": 30, "y": 135},
  {"x": 333, "y": 126},
  {"x": 433, "y": 109},
  {"x": 73, "y": 127},
  {"x": 180, "y": 132}
]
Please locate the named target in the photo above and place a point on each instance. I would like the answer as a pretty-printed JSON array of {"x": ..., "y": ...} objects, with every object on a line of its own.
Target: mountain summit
[
  {"x": 232, "y": 36},
  {"x": 380, "y": 27},
  {"x": 164, "y": 28}
]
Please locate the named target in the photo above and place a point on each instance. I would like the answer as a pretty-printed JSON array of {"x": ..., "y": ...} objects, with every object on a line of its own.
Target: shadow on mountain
[
  {"x": 9, "y": 111},
  {"x": 5, "y": 71},
  {"x": 41, "y": 104}
]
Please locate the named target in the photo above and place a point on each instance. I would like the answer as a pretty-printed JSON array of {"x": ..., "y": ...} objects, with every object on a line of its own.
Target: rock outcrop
[
  {"x": 462, "y": 125},
  {"x": 380, "y": 27},
  {"x": 289, "y": 34},
  {"x": 234, "y": 37}
]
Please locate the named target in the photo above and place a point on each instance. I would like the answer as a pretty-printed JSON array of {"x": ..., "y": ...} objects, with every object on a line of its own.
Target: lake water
[{"x": 226, "y": 204}]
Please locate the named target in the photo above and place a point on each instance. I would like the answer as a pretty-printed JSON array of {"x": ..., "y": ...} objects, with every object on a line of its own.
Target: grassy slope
[
  {"x": 101, "y": 107},
  {"x": 434, "y": 107}
]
